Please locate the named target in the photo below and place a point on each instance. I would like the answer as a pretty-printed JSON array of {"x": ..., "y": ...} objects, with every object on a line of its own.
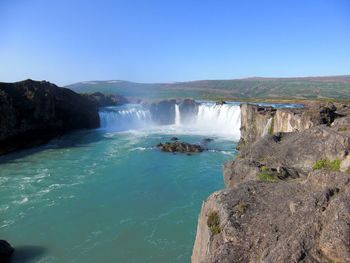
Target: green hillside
[{"x": 337, "y": 87}]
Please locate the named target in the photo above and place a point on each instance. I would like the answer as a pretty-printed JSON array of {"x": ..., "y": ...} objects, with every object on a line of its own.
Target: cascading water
[
  {"x": 129, "y": 117},
  {"x": 222, "y": 120},
  {"x": 177, "y": 115},
  {"x": 209, "y": 120}
]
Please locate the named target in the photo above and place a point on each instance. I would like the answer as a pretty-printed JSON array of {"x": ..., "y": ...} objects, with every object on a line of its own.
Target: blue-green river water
[{"x": 109, "y": 196}]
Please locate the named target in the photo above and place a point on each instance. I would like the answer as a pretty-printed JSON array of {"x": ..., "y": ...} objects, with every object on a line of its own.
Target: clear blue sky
[{"x": 66, "y": 41}]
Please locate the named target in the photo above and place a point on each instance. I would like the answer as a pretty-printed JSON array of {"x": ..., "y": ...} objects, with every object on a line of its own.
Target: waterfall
[
  {"x": 209, "y": 120},
  {"x": 177, "y": 115},
  {"x": 219, "y": 119},
  {"x": 125, "y": 118},
  {"x": 267, "y": 127}
]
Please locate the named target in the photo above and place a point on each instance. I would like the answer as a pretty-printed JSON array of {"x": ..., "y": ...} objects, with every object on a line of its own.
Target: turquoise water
[{"x": 100, "y": 196}]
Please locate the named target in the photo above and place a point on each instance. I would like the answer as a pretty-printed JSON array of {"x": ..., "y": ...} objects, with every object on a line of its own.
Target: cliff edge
[
  {"x": 32, "y": 112},
  {"x": 288, "y": 191}
]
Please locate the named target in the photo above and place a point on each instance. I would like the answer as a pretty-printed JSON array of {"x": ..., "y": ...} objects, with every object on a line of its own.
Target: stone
[
  {"x": 6, "y": 250},
  {"x": 181, "y": 147}
]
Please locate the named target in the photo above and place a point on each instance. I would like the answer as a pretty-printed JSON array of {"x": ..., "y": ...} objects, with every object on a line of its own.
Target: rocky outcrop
[
  {"x": 105, "y": 100},
  {"x": 290, "y": 120},
  {"x": 6, "y": 250},
  {"x": 254, "y": 122},
  {"x": 182, "y": 147},
  {"x": 289, "y": 155},
  {"x": 294, "y": 221},
  {"x": 163, "y": 112},
  {"x": 258, "y": 121},
  {"x": 32, "y": 112},
  {"x": 287, "y": 196}
]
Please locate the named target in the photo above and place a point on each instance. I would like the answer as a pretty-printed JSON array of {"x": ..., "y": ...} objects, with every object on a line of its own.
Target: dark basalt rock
[
  {"x": 32, "y": 112},
  {"x": 188, "y": 110},
  {"x": 163, "y": 112},
  {"x": 181, "y": 147},
  {"x": 220, "y": 102},
  {"x": 6, "y": 250},
  {"x": 105, "y": 100}
]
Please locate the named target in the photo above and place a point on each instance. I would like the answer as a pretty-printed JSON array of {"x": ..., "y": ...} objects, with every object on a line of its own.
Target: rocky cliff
[
  {"x": 105, "y": 100},
  {"x": 258, "y": 121},
  {"x": 32, "y": 112},
  {"x": 287, "y": 196}
]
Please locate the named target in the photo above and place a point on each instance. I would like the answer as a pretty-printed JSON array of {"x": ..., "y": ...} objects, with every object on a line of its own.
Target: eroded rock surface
[
  {"x": 295, "y": 221},
  {"x": 259, "y": 121},
  {"x": 287, "y": 197}
]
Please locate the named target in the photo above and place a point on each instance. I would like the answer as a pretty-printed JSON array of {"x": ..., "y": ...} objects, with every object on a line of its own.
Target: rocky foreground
[{"x": 287, "y": 196}]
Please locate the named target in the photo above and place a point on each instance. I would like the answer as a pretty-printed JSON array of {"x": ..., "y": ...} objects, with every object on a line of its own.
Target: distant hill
[{"x": 337, "y": 87}]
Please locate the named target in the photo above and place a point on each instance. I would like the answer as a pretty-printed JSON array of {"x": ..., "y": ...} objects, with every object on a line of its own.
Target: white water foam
[
  {"x": 210, "y": 120},
  {"x": 125, "y": 118}
]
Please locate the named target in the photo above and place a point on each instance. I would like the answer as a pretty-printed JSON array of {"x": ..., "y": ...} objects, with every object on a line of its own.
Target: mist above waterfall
[{"x": 207, "y": 119}]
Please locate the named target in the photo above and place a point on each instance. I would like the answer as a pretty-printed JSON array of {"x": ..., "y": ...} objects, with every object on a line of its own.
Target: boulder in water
[
  {"x": 181, "y": 147},
  {"x": 174, "y": 139},
  {"x": 6, "y": 251}
]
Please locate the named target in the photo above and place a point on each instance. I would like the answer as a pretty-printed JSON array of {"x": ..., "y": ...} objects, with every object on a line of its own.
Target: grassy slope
[{"x": 337, "y": 87}]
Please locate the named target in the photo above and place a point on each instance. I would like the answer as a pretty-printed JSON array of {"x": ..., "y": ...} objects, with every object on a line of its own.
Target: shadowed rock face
[
  {"x": 32, "y": 112},
  {"x": 188, "y": 110},
  {"x": 277, "y": 206},
  {"x": 163, "y": 112},
  {"x": 6, "y": 250}
]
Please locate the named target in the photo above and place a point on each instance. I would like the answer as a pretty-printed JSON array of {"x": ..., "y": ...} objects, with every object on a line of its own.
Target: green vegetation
[
  {"x": 324, "y": 164},
  {"x": 320, "y": 88},
  {"x": 272, "y": 126},
  {"x": 266, "y": 176},
  {"x": 213, "y": 222},
  {"x": 264, "y": 168},
  {"x": 342, "y": 129}
]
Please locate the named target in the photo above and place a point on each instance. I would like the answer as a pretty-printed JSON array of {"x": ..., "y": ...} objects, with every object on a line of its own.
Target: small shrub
[
  {"x": 324, "y": 164},
  {"x": 213, "y": 222},
  {"x": 342, "y": 129},
  {"x": 241, "y": 207},
  {"x": 264, "y": 168},
  {"x": 265, "y": 176}
]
